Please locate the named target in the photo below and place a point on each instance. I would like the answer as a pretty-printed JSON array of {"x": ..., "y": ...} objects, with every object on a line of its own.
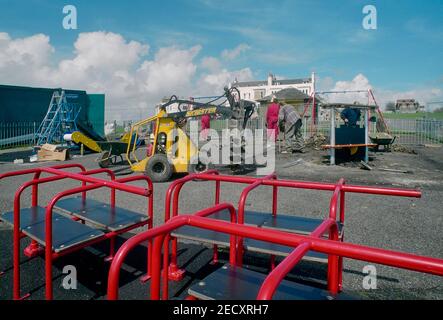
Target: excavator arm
[{"x": 236, "y": 108}]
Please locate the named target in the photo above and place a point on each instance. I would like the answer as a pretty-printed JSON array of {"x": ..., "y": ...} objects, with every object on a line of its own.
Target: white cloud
[
  {"x": 234, "y": 53},
  {"x": 212, "y": 64},
  {"x": 171, "y": 71},
  {"x": 383, "y": 96},
  {"x": 105, "y": 62},
  {"x": 360, "y": 82},
  {"x": 214, "y": 82},
  {"x": 422, "y": 95},
  {"x": 134, "y": 82},
  {"x": 34, "y": 50}
]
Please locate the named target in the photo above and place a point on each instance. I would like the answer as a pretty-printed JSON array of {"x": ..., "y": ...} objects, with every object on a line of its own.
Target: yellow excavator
[{"x": 169, "y": 147}]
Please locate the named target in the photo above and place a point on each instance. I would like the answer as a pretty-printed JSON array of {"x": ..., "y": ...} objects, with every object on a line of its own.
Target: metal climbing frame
[
  {"x": 59, "y": 119},
  {"x": 87, "y": 236},
  {"x": 173, "y": 193},
  {"x": 301, "y": 244}
]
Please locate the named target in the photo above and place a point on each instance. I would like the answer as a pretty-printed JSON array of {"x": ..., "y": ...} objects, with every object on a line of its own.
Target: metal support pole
[
  {"x": 366, "y": 135},
  {"x": 332, "y": 134}
]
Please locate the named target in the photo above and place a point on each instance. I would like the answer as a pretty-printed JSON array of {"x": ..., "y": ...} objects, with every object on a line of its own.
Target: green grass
[{"x": 412, "y": 116}]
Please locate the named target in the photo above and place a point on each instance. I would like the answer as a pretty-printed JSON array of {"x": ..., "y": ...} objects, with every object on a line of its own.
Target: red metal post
[
  {"x": 342, "y": 220},
  {"x": 232, "y": 241},
  {"x": 241, "y": 213},
  {"x": 114, "y": 271},
  {"x": 150, "y": 223},
  {"x": 175, "y": 273},
  {"x": 333, "y": 264},
  {"x": 334, "y": 271},
  {"x": 273, "y": 279},
  {"x": 274, "y": 200},
  {"x": 217, "y": 201},
  {"x": 16, "y": 248}
]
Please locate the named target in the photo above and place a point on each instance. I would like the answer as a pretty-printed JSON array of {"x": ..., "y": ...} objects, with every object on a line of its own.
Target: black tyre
[
  {"x": 199, "y": 167},
  {"x": 105, "y": 161},
  {"x": 158, "y": 168}
]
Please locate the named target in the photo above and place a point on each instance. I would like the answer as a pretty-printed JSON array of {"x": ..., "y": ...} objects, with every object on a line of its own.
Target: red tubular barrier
[
  {"x": 241, "y": 211},
  {"x": 277, "y": 275},
  {"x": 33, "y": 247},
  {"x": 37, "y": 172},
  {"x": 151, "y": 220},
  {"x": 16, "y": 228},
  {"x": 108, "y": 184},
  {"x": 84, "y": 178},
  {"x": 175, "y": 188},
  {"x": 202, "y": 213},
  {"x": 114, "y": 271},
  {"x": 352, "y": 251},
  {"x": 314, "y": 185},
  {"x": 174, "y": 271},
  {"x": 48, "y": 224}
]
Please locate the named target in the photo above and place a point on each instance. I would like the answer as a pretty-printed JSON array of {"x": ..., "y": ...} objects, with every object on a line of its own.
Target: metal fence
[
  {"x": 416, "y": 131},
  {"x": 407, "y": 131},
  {"x": 115, "y": 129},
  {"x": 17, "y": 134}
]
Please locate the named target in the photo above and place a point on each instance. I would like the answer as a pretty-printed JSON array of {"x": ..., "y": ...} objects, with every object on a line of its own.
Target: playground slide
[
  {"x": 89, "y": 132},
  {"x": 79, "y": 138}
]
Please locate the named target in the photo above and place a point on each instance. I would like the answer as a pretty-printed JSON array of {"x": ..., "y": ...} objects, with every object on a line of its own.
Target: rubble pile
[
  {"x": 402, "y": 149},
  {"x": 316, "y": 141}
]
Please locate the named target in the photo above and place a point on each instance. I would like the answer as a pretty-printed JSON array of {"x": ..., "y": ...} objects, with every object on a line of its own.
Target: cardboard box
[{"x": 50, "y": 152}]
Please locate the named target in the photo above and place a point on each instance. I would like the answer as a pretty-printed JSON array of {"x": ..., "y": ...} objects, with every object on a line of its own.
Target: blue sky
[{"x": 289, "y": 38}]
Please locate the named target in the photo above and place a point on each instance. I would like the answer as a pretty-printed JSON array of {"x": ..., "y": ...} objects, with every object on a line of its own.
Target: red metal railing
[
  {"x": 162, "y": 231},
  {"x": 84, "y": 178},
  {"x": 174, "y": 272},
  {"x": 176, "y": 187},
  {"x": 49, "y": 255},
  {"x": 277, "y": 275},
  {"x": 241, "y": 212},
  {"x": 303, "y": 243},
  {"x": 17, "y": 235},
  {"x": 33, "y": 248}
]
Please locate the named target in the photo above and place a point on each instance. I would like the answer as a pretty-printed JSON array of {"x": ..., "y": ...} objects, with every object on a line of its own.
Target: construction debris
[
  {"x": 293, "y": 163},
  {"x": 316, "y": 141},
  {"x": 33, "y": 158},
  {"x": 50, "y": 152},
  {"x": 402, "y": 149},
  {"x": 395, "y": 170},
  {"x": 432, "y": 145},
  {"x": 365, "y": 165}
]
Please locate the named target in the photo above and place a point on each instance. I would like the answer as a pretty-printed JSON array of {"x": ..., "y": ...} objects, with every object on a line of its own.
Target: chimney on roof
[{"x": 270, "y": 79}]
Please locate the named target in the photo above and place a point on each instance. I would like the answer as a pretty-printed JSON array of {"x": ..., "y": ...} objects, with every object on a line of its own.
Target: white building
[
  {"x": 408, "y": 106},
  {"x": 255, "y": 90}
]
